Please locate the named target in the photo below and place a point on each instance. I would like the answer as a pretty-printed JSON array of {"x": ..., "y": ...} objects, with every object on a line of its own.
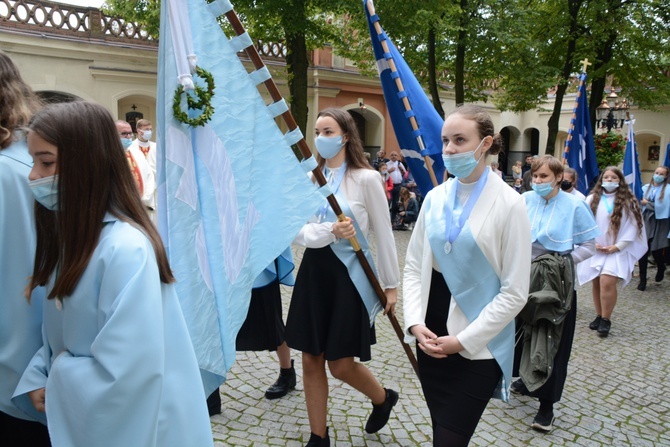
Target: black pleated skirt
[
  {"x": 263, "y": 329},
  {"x": 457, "y": 389},
  {"x": 327, "y": 315}
]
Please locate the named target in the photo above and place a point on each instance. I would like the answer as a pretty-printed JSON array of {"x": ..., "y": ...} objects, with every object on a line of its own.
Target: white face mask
[
  {"x": 329, "y": 147},
  {"x": 45, "y": 191},
  {"x": 462, "y": 164},
  {"x": 146, "y": 134},
  {"x": 610, "y": 186}
]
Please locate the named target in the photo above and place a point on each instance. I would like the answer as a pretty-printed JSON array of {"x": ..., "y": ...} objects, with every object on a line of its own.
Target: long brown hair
[
  {"x": 17, "y": 101},
  {"x": 355, "y": 156},
  {"x": 93, "y": 178},
  {"x": 623, "y": 199}
]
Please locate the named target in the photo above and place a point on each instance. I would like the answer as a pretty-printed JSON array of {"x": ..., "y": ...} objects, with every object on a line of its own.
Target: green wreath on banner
[{"x": 203, "y": 101}]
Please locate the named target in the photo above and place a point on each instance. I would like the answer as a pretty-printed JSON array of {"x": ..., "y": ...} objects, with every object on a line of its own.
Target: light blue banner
[{"x": 232, "y": 195}]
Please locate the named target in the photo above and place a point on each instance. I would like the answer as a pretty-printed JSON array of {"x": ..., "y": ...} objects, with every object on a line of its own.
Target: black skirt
[
  {"x": 327, "y": 315},
  {"x": 657, "y": 230},
  {"x": 457, "y": 389},
  {"x": 263, "y": 329},
  {"x": 15, "y": 432},
  {"x": 552, "y": 389}
]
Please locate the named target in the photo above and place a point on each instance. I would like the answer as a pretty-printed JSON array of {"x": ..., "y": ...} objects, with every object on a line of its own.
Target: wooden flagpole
[
  {"x": 256, "y": 60},
  {"x": 405, "y": 99}
]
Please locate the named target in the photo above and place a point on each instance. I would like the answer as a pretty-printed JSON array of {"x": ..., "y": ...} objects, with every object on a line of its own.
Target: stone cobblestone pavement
[{"x": 616, "y": 393}]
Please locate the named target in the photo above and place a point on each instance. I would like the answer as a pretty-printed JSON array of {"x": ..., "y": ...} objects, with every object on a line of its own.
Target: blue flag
[
  {"x": 580, "y": 151},
  {"x": 232, "y": 195},
  {"x": 429, "y": 121},
  {"x": 666, "y": 162},
  {"x": 631, "y": 165}
]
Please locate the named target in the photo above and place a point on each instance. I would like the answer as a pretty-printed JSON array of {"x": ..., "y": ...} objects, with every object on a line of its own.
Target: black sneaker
[
  {"x": 381, "y": 413},
  {"x": 318, "y": 441},
  {"x": 595, "y": 323},
  {"x": 543, "y": 422},
  {"x": 518, "y": 387},
  {"x": 642, "y": 285},
  {"x": 604, "y": 327}
]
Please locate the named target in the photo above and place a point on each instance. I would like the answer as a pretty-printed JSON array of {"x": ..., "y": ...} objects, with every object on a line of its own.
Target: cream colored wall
[{"x": 114, "y": 76}]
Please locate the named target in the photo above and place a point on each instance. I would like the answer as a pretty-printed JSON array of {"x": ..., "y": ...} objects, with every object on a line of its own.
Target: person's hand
[
  {"x": 37, "y": 398},
  {"x": 391, "y": 300},
  {"x": 344, "y": 229},
  {"x": 426, "y": 339},
  {"x": 610, "y": 249},
  {"x": 599, "y": 247},
  {"x": 448, "y": 345},
  {"x": 402, "y": 213},
  {"x": 644, "y": 202}
]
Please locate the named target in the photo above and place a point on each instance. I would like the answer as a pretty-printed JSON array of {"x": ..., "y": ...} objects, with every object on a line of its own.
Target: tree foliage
[
  {"x": 302, "y": 25},
  {"x": 509, "y": 52}
]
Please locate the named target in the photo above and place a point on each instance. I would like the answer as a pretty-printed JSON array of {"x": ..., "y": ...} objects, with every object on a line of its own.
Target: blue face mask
[
  {"x": 328, "y": 147},
  {"x": 45, "y": 191},
  {"x": 543, "y": 189},
  {"x": 610, "y": 186},
  {"x": 658, "y": 178},
  {"x": 126, "y": 142},
  {"x": 462, "y": 165}
]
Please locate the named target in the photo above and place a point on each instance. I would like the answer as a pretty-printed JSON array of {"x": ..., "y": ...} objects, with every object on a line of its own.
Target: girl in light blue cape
[
  {"x": 562, "y": 224},
  {"x": 117, "y": 366},
  {"x": 20, "y": 319},
  {"x": 656, "y": 212}
]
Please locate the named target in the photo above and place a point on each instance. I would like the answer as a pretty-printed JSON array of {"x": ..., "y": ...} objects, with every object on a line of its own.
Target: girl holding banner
[{"x": 333, "y": 308}]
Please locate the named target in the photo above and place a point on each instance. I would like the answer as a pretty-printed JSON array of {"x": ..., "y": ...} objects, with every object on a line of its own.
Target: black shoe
[
  {"x": 380, "y": 413},
  {"x": 518, "y": 387},
  {"x": 284, "y": 383},
  {"x": 214, "y": 403},
  {"x": 660, "y": 273},
  {"x": 318, "y": 441},
  {"x": 643, "y": 285},
  {"x": 595, "y": 323},
  {"x": 604, "y": 327},
  {"x": 543, "y": 421}
]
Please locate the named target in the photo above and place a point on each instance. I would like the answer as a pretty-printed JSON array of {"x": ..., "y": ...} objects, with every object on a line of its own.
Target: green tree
[
  {"x": 302, "y": 25},
  {"x": 631, "y": 52},
  {"x": 626, "y": 40},
  {"x": 415, "y": 28}
]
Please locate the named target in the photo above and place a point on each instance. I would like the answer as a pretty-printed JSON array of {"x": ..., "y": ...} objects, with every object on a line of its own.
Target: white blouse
[{"x": 366, "y": 198}]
